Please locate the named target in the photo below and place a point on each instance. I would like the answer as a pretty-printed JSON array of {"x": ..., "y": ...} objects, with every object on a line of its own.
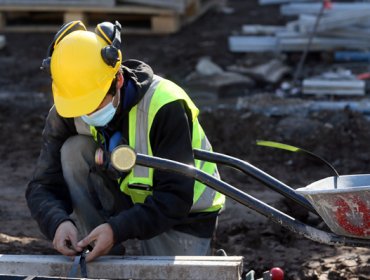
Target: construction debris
[
  {"x": 299, "y": 107},
  {"x": 210, "y": 76},
  {"x": 295, "y": 9},
  {"x": 270, "y": 72},
  {"x": 206, "y": 67},
  {"x": 344, "y": 56},
  {"x": 261, "y": 29},
  {"x": 334, "y": 83},
  {"x": 344, "y": 26},
  {"x": 2, "y": 41},
  {"x": 333, "y": 20},
  {"x": 269, "y": 2}
]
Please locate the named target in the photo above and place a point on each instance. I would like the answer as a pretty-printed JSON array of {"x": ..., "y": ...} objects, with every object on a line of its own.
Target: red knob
[
  {"x": 327, "y": 4},
  {"x": 277, "y": 273}
]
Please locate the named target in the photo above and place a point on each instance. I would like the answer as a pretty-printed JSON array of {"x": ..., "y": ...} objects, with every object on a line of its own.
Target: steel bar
[
  {"x": 297, "y": 73},
  {"x": 252, "y": 43},
  {"x": 292, "y": 44},
  {"x": 249, "y": 201},
  {"x": 295, "y": 9},
  {"x": 338, "y": 87},
  {"x": 307, "y": 23}
]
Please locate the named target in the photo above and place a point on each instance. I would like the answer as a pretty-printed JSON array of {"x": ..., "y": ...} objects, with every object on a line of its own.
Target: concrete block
[{"x": 141, "y": 267}]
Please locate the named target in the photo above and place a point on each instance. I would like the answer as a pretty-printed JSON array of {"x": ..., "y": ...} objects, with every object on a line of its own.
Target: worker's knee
[{"x": 77, "y": 151}]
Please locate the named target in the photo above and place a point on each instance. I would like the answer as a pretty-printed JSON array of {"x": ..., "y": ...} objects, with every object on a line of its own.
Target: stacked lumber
[
  {"x": 177, "y": 5},
  {"x": 105, "y": 3},
  {"x": 136, "y": 16},
  {"x": 343, "y": 27}
]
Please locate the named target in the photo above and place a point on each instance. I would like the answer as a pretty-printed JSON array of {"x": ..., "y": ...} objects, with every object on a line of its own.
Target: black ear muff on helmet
[
  {"x": 63, "y": 31},
  {"x": 111, "y": 33}
]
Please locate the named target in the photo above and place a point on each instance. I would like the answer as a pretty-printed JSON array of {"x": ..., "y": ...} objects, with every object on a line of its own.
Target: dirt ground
[{"x": 341, "y": 136}]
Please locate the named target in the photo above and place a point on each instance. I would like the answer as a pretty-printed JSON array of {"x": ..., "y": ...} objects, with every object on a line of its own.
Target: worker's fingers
[
  {"x": 73, "y": 240},
  {"x": 101, "y": 248},
  {"x": 96, "y": 252},
  {"x": 62, "y": 246},
  {"x": 65, "y": 239},
  {"x": 87, "y": 240},
  {"x": 102, "y": 236}
]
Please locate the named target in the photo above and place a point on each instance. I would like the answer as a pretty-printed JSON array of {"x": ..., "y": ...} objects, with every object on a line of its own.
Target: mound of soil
[{"x": 340, "y": 136}]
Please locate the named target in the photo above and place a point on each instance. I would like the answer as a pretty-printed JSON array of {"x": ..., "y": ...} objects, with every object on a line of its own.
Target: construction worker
[{"x": 102, "y": 102}]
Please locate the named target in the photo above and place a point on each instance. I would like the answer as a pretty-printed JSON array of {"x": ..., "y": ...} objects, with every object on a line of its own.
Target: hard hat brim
[{"x": 77, "y": 107}]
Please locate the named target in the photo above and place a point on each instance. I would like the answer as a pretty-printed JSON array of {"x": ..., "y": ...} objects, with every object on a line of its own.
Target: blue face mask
[{"x": 101, "y": 117}]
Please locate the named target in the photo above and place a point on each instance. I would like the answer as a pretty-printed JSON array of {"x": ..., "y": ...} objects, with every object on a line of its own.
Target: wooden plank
[
  {"x": 71, "y": 16},
  {"x": 109, "y": 3},
  {"x": 162, "y": 24},
  {"x": 141, "y": 267},
  {"x": 177, "y": 5},
  {"x": 155, "y": 20},
  {"x": 123, "y": 9},
  {"x": 197, "y": 8},
  {"x": 55, "y": 28},
  {"x": 136, "y": 20}
]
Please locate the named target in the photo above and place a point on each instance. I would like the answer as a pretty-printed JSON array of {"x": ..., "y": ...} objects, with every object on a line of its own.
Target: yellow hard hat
[{"x": 80, "y": 76}]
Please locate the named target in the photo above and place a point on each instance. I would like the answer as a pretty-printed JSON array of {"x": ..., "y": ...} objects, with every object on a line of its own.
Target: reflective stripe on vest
[
  {"x": 138, "y": 184},
  {"x": 138, "y": 131}
]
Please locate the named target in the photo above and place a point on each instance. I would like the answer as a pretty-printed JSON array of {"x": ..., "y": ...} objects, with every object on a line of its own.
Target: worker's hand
[
  {"x": 65, "y": 239},
  {"x": 103, "y": 239}
]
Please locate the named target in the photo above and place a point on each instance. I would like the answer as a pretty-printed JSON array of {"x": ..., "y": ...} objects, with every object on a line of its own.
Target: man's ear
[{"x": 120, "y": 80}]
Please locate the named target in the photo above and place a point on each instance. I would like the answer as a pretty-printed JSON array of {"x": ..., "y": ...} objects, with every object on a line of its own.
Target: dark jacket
[{"x": 47, "y": 194}]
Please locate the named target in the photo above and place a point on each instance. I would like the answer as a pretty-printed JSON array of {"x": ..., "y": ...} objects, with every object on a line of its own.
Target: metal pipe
[
  {"x": 307, "y": 47},
  {"x": 257, "y": 174},
  {"x": 247, "y": 200}
]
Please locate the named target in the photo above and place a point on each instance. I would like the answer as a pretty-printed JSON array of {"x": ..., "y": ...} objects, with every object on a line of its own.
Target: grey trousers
[{"x": 95, "y": 199}]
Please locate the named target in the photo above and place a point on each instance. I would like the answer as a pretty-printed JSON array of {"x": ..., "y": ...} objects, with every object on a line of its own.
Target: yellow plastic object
[{"x": 80, "y": 76}]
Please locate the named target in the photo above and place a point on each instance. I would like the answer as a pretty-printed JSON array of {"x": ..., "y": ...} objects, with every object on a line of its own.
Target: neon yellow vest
[{"x": 138, "y": 184}]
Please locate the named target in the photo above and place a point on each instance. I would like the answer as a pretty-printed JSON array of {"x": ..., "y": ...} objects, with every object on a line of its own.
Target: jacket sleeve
[
  {"x": 172, "y": 193},
  {"x": 47, "y": 194}
]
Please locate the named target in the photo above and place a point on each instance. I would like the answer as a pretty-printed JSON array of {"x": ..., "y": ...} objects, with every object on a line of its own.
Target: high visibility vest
[{"x": 138, "y": 184}]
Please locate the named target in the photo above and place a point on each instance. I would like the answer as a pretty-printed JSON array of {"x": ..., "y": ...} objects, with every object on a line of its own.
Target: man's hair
[{"x": 112, "y": 89}]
